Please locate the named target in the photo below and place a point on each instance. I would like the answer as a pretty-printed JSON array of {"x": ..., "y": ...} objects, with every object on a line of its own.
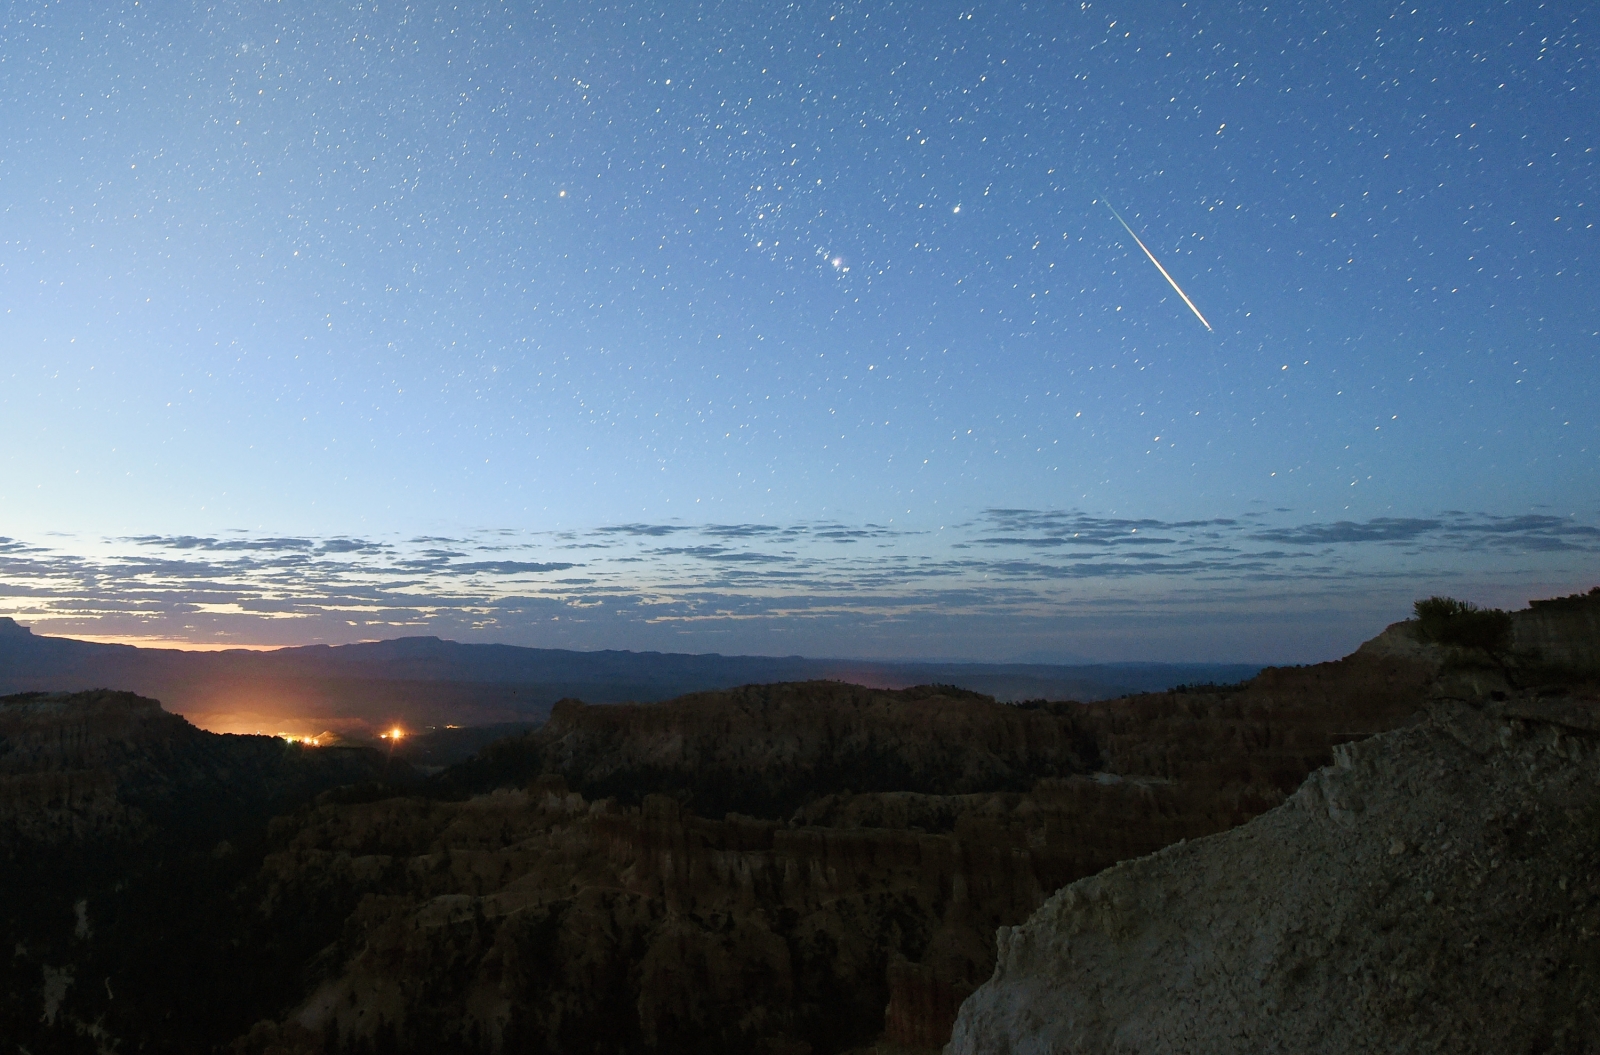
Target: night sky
[{"x": 753, "y": 327}]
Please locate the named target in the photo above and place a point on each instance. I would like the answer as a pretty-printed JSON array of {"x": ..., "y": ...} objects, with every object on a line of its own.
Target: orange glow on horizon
[{"x": 176, "y": 644}]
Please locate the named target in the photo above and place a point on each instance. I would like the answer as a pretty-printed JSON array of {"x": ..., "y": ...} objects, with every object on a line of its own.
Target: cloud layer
[{"x": 1009, "y": 583}]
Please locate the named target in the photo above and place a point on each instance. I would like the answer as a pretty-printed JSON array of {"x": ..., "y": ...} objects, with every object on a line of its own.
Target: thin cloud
[
  {"x": 641, "y": 530},
  {"x": 1529, "y": 526},
  {"x": 718, "y": 553},
  {"x": 1380, "y": 529},
  {"x": 506, "y": 567},
  {"x": 350, "y": 545},
  {"x": 1050, "y": 541},
  {"x": 1454, "y": 532},
  {"x": 747, "y": 531},
  {"x": 243, "y": 545}
]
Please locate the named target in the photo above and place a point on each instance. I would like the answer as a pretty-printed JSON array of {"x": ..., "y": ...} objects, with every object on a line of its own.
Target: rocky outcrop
[
  {"x": 1562, "y": 632},
  {"x": 1552, "y": 640},
  {"x": 1434, "y": 890}
]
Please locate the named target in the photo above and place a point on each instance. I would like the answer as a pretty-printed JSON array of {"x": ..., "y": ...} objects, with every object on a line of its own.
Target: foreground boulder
[{"x": 1437, "y": 889}]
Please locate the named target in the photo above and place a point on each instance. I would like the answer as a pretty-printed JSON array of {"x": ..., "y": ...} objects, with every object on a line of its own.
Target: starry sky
[{"x": 796, "y": 328}]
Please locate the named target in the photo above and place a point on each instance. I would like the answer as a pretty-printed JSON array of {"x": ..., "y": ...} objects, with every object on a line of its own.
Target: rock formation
[
  {"x": 1436, "y": 889},
  {"x": 816, "y": 867},
  {"x": 801, "y": 867},
  {"x": 1562, "y": 632},
  {"x": 124, "y": 832},
  {"x": 111, "y": 766}
]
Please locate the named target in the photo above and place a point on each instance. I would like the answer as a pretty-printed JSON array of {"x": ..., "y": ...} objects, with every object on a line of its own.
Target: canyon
[{"x": 798, "y": 867}]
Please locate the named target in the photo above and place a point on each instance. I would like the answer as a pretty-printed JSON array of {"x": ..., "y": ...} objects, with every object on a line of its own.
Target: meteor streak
[{"x": 1159, "y": 268}]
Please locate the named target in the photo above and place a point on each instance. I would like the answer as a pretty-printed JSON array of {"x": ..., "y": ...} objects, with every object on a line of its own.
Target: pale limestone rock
[{"x": 1303, "y": 931}]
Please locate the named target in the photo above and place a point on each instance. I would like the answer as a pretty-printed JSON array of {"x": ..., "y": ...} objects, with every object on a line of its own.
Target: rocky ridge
[
  {"x": 425, "y": 681},
  {"x": 1434, "y": 890}
]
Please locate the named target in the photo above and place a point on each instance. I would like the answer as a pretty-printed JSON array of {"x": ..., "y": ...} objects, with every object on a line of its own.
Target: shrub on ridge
[{"x": 1447, "y": 621}]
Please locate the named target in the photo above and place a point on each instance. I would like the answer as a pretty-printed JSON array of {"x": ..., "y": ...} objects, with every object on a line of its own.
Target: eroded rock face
[
  {"x": 124, "y": 831},
  {"x": 1436, "y": 889},
  {"x": 1562, "y": 632},
  {"x": 64, "y": 760},
  {"x": 542, "y": 918},
  {"x": 108, "y": 766},
  {"x": 769, "y": 749},
  {"x": 590, "y": 901}
]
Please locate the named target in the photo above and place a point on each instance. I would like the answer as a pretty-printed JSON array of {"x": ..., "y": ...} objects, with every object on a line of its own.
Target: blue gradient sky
[{"x": 795, "y": 328}]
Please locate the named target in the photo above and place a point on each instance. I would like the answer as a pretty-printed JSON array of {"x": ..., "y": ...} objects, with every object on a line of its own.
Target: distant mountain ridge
[{"x": 429, "y": 681}]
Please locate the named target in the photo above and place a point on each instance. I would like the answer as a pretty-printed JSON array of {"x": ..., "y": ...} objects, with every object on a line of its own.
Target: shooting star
[{"x": 1159, "y": 268}]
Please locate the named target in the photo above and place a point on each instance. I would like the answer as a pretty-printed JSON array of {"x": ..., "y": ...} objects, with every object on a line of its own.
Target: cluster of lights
[{"x": 394, "y": 735}]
